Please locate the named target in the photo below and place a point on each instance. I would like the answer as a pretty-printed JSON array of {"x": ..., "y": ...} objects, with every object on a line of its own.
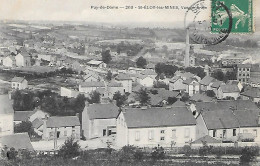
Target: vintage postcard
[{"x": 129, "y": 82}]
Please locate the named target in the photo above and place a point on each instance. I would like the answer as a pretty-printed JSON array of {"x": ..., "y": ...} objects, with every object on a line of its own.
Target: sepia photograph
[{"x": 130, "y": 83}]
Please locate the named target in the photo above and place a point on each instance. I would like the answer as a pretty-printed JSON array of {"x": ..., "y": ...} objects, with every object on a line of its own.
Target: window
[
  {"x": 245, "y": 131},
  {"x": 247, "y": 69},
  {"x": 214, "y": 133},
  {"x": 162, "y": 131},
  {"x": 104, "y": 132},
  {"x": 162, "y": 138},
  {"x": 224, "y": 133},
  {"x": 255, "y": 132},
  {"x": 234, "y": 132},
  {"x": 174, "y": 133},
  {"x": 150, "y": 134},
  {"x": 187, "y": 133},
  {"x": 137, "y": 135},
  {"x": 65, "y": 133}
]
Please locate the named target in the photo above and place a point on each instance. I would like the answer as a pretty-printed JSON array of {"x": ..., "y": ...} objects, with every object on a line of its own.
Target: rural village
[{"x": 108, "y": 87}]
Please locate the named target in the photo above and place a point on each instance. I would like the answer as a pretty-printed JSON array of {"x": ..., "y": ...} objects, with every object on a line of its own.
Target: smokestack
[{"x": 187, "y": 50}]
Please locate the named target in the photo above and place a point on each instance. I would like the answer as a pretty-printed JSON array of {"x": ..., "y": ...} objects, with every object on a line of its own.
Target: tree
[
  {"x": 79, "y": 103},
  {"x": 106, "y": 57},
  {"x": 210, "y": 93},
  {"x": 25, "y": 126},
  {"x": 69, "y": 149},
  {"x": 109, "y": 75},
  {"x": 219, "y": 75},
  {"x": 143, "y": 96},
  {"x": 120, "y": 99},
  {"x": 141, "y": 62},
  {"x": 94, "y": 97}
]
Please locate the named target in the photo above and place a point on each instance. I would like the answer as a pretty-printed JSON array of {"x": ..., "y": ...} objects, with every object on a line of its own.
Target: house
[
  {"x": 225, "y": 91},
  {"x": 215, "y": 86},
  {"x": 113, "y": 87},
  {"x": 18, "y": 141},
  {"x": 23, "y": 59},
  {"x": 149, "y": 73},
  {"x": 91, "y": 77},
  {"x": 157, "y": 101},
  {"x": 68, "y": 92},
  {"x": 98, "y": 64},
  {"x": 206, "y": 82},
  {"x": 99, "y": 120},
  {"x": 20, "y": 116},
  {"x": 184, "y": 75},
  {"x": 63, "y": 126},
  {"x": 145, "y": 80},
  {"x": 9, "y": 61},
  {"x": 88, "y": 87},
  {"x": 243, "y": 72},
  {"x": 6, "y": 116},
  {"x": 139, "y": 127},
  {"x": 223, "y": 105},
  {"x": 229, "y": 124},
  {"x": 176, "y": 83},
  {"x": 235, "y": 82},
  {"x": 252, "y": 94},
  {"x": 192, "y": 86},
  {"x": 254, "y": 82},
  {"x": 126, "y": 81},
  {"x": 19, "y": 83}
]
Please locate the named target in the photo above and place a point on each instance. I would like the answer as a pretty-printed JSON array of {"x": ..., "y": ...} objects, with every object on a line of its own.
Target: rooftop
[
  {"x": 22, "y": 115},
  {"x": 142, "y": 118},
  {"x": 207, "y": 80},
  {"x": 62, "y": 121},
  {"x": 17, "y": 141},
  {"x": 252, "y": 92},
  {"x": 229, "y": 88},
  {"x": 18, "y": 79},
  {"x": 122, "y": 76},
  {"x": 102, "y": 111},
  {"x": 92, "y": 84}
]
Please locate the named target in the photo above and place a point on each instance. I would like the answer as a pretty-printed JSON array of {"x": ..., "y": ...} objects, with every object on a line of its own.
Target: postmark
[
  {"x": 197, "y": 20},
  {"x": 242, "y": 16}
]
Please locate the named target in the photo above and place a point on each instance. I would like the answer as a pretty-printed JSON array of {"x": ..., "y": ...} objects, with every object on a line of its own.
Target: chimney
[{"x": 259, "y": 119}]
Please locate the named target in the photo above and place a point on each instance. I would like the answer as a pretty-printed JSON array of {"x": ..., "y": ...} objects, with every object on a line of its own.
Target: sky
[{"x": 80, "y": 10}]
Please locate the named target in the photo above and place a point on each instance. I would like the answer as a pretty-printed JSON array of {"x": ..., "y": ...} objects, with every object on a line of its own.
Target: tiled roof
[
  {"x": 158, "y": 117},
  {"x": 92, "y": 84},
  {"x": 189, "y": 80},
  {"x": 17, "y": 141},
  {"x": 6, "y": 106},
  {"x": 62, "y": 121},
  {"x": 253, "y": 92},
  {"x": 217, "y": 84},
  {"x": 229, "y": 88},
  {"x": 155, "y": 99},
  {"x": 184, "y": 74},
  {"x": 166, "y": 93},
  {"x": 114, "y": 84},
  {"x": 201, "y": 97},
  {"x": 22, "y": 115},
  {"x": 18, "y": 79},
  {"x": 226, "y": 104},
  {"x": 122, "y": 76},
  {"x": 37, "y": 123},
  {"x": 148, "y": 72},
  {"x": 179, "y": 104},
  {"x": 225, "y": 119},
  {"x": 206, "y": 80},
  {"x": 102, "y": 111}
]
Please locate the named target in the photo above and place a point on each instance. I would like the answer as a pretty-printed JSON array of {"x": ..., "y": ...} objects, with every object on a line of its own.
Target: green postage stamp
[{"x": 233, "y": 16}]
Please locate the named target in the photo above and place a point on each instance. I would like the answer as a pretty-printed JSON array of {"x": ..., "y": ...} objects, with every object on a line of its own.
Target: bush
[
  {"x": 70, "y": 149},
  {"x": 187, "y": 150},
  {"x": 138, "y": 155},
  {"x": 248, "y": 155},
  {"x": 158, "y": 153}
]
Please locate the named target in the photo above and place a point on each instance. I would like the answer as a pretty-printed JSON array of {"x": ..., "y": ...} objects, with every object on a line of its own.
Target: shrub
[
  {"x": 187, "y": 150},
  {"x": 70, "y": 149},
  {"x": 158, "y": 153},
  {"x": 247, "y": 155},
  {"x": 138, "y": 155}
]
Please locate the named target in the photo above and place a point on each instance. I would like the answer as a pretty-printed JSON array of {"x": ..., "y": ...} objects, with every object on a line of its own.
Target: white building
[
  {"x": 155, "y": 126},
  {"x": 19, "y": 83},
  {"x": 6, "y": 116},
  {"x": 126, "y": 81}
]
